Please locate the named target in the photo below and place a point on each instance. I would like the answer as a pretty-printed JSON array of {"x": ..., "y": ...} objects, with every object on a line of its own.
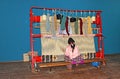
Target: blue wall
[{"x": 14, "y": 23}]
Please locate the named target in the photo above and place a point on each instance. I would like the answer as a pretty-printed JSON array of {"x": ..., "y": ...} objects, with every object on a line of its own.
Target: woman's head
[{"x": 70, "y": 41}]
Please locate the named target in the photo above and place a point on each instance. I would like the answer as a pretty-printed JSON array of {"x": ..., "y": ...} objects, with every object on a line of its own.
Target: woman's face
[{"x": 72, "y": 43}]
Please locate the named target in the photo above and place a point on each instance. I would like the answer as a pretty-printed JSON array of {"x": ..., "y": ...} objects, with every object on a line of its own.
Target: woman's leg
[
  {"x": 67, "y": 59},
  {"x": 78, "y": 60}
]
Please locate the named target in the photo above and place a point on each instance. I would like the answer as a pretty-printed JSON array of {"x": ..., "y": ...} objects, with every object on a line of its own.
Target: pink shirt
[{"x": 71, "y": 54}]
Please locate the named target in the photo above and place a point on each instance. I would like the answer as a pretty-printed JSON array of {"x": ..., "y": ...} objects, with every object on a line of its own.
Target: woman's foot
[
  {"x": 76, "y": 64},
  {"x": 69, "y": 69}
]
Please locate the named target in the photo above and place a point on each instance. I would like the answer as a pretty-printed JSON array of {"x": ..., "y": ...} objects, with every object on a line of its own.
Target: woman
[{"x": 72, "y": 54}]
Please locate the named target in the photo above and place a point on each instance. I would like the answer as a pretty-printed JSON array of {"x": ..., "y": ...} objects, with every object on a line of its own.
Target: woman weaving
[{"x": 72, "y": 54}]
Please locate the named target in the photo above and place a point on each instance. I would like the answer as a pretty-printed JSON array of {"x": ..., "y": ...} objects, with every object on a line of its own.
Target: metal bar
[{"x": 35, "y": 7}]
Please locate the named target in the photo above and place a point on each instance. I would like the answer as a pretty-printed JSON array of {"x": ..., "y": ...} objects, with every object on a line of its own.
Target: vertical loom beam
[
  {"x": 100, "y": 52},
  {"x": 33, "y": 19},
  {"x": 31, "y": 39}
]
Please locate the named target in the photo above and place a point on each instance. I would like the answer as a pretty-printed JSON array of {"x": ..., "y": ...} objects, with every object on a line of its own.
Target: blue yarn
[{"x": 95, "y": 64}]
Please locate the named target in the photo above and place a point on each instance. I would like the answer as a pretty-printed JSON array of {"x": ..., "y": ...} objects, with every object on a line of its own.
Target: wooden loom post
[
  {"x": 31, "y": 39},
  {"x": 33, "y": 19},
  {"x": 100, "y": 52}
]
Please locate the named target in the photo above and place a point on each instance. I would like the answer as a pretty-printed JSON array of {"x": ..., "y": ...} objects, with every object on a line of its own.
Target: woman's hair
[{"x": 70, "y": 40}]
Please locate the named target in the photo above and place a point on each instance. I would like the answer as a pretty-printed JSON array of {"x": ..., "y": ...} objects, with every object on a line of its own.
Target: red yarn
[
  {"x": 66, "y": 24},
  {"x": 81, "y": 25}
]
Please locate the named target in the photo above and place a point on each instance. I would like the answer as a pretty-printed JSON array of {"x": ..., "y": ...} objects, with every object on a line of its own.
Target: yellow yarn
[
  {"x": 55, "y": 22},
  {"x": 89, "y": 25}
]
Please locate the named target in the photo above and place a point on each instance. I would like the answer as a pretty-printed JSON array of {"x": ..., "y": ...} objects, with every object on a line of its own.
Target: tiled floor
[{"x": 20, "y": 70}]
